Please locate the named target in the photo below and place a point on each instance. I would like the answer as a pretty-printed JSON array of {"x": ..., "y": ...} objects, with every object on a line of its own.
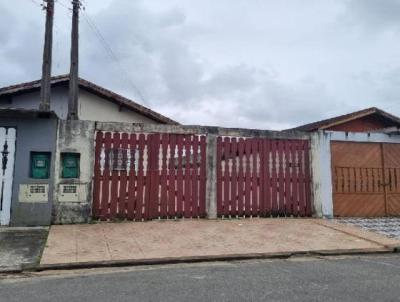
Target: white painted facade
[{"x": 91, "y": 107}]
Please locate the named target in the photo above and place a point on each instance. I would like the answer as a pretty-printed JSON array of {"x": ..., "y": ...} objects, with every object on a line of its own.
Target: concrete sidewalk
[
  {"x": 106, "y": 244},
  {"x": 21, "y": 248}
]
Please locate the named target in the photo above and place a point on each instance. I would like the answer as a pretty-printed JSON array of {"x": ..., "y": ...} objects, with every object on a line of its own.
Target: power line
[
  {"x": 112, "y": 54},
  {"x": 108, "y": 50},
  {"x": 63, "y": 5},
  {"x": 38, "y": 3}
]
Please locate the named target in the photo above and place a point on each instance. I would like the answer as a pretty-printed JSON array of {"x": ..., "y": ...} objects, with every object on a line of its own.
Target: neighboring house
[
  {"x": 366, "y": 120},
  {"x": 26, "y": 137},
  {"x": 365, "y": 180},
  {"x": 32, "y": 164},
  {"x": 95, "y": 103}
]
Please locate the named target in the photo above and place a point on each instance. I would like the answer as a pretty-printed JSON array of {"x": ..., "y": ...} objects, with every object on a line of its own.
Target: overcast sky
[{"x": 238, "y": 63}]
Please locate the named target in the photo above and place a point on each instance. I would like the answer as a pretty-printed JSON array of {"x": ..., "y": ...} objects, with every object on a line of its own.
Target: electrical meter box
[
  {"x": 72, "y": 193},
  {"x": 33, "y": 193},
  {"x": 70, "y": 165},
  {"x": 40, "y": 165}
]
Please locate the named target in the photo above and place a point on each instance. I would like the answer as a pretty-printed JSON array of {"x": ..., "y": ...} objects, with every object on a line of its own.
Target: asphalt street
[{"x": 364, "y": 278}]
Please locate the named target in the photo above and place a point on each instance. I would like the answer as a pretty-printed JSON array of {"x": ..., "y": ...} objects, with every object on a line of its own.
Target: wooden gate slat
[
  {"x": 220, "y": 209},
  {"x": 255, "y": 206},
  {"x": 288, "y": 179},
  {"x": 172, "y": 178},
  {"x": 164, "y": 177},
  {"x": 155, "y": 179},
  {"x": 240, "y": 183},
  {"x": 226, "y": 176},
  {"x": 104, "y": 206},
  {"x": 132, "y": 178},
  {"x": 141, "y": 177},
  {"x": 301, "y": 179},
  {"x": 262, "y": 178},
  {"x": 295, "y": 174},
  {"x": 267, "y": 177},
  {"x": 122, "y": 205},
  {"x": 203, "y": 178},
  {"x": 195, "y": 177},
  {"x": 274, "y": 179},
  {"x": 234, "y": 178},
  {"x": 307, "y": 178},
  {"x": 114, "y": 176},
  {"x": 187, "y": 198},
  {"x": 148, "y": 178},
  {"x": 281, "y": 176},
  {"x": 247, "y": 176},
  {"x": 179, "y": 181}
]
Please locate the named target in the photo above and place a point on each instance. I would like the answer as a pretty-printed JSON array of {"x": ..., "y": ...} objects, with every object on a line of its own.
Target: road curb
[
  {"x": 11, "y": 271},
  {"x": 155, "y": 261},
  {"x": 210, "y": 258}
]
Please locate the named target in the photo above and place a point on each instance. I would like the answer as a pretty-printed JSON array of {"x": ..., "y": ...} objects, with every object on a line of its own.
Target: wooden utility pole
[
  {"x": 73, "y": 74},
  {"x": 47, "y": 57}
]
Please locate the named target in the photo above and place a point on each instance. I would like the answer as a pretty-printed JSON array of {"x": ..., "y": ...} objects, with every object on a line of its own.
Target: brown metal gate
[
  {"x": 147, "y": 176},
  {"x": 263, "y": 177},
  {"x": 366, "y": 179}
]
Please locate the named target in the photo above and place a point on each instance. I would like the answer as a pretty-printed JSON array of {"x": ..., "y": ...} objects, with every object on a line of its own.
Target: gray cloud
[
  {"x": 375, "y": 14},
  {"x": 258, "y": 64}
]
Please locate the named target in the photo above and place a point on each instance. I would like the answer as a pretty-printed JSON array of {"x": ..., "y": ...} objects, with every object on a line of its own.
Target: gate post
[
  {"x": 321, "y": 174},
  {"x": 211, "y": 182}
]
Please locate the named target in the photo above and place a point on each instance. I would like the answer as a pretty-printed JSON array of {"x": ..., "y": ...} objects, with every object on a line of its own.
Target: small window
[
  {"x": 70, "y": 165},
  {"x": 40, "y": 165}
]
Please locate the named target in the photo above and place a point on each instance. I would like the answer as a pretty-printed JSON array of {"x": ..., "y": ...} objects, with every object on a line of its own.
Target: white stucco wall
[
  {"x": 94, "y": 108},
  {"x": 321, "y": 174},
  {"x": 91, "y": 107}
]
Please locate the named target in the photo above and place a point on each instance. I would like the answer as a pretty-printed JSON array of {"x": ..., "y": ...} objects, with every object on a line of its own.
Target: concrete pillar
[
  {"x": 78, "y": 137},
  {"x": 322, "y": 174},
  {"x": 211, "y": 184}
]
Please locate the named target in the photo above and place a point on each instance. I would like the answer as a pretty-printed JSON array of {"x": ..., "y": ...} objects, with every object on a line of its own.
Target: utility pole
[
  {"x": 73, "y": 74},
  {"x": 47, "y": 55}
]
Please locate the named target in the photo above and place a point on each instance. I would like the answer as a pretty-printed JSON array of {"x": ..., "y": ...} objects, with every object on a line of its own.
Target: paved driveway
[
  {"x": 388, "y": 226},
  {"x": 68, "y": 244}
]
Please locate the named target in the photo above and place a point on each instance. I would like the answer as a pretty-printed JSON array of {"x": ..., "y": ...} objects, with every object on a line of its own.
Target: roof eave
[
  {"x": 93, "y": 88},
  {"x": 331, "y": 122}
]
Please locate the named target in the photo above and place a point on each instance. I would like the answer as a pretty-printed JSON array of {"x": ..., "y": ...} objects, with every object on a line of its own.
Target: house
[
  {"x": 95, "y": 103},
  {"x": 364, "y": 172},
  {"x": 33, "y": 164},
  {"x": 27, "y": 136},
  {"x": 367, "y": 120}
]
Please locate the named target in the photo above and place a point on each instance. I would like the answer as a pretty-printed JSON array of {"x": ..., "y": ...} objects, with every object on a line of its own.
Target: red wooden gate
[
  {"x": 147, "y": 176},
  {"x": 263, "y": 177}
]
